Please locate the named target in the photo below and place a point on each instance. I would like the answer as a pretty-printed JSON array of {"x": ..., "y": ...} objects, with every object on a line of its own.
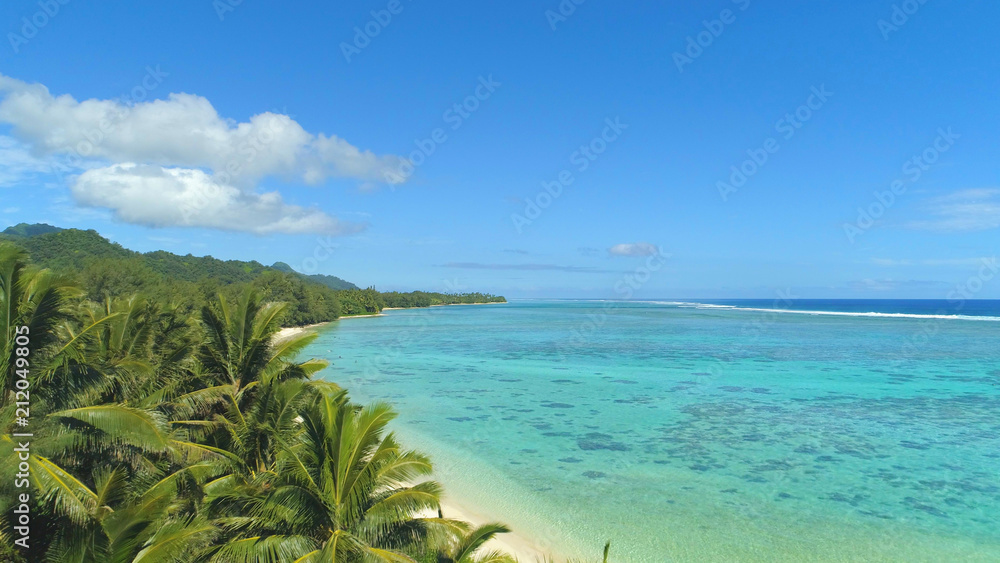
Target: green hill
[
  {"x": 30, "y": 230},
  {"x": 107, "y": 269},
  {"x": 73, "y": 249},
  {"x": 333, "y": 282},
  {"x": 65, "y": 249}
]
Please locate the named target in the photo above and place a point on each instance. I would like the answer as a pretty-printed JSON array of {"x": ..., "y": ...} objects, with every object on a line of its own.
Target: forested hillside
[
  {"x": 156, "y": 434},
  {"x": 30, "y": 230},
  {"x": 108, "y": 270},
  {"x": 424, "y": 299},
  {"x": 333, "y": 282}
]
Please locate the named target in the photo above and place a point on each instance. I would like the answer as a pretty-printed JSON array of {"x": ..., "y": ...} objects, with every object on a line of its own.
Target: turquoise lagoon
[{"x": 701, "y": 432}]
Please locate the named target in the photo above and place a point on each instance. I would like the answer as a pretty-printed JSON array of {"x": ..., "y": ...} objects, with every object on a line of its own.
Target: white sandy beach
[
  {"x": 520, "y": 547},
  {"x": 289, "y": 332},
  {"x": 443, "y": 305}
]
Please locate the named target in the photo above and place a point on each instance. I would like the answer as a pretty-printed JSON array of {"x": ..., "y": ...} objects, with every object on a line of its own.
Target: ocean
[{"x": 684, "y": 430}]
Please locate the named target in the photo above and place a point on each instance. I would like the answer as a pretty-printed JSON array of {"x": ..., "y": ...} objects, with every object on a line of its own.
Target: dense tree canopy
[
  {"x": 162, "y": 433},
  {"x": 109, "y": 271}
]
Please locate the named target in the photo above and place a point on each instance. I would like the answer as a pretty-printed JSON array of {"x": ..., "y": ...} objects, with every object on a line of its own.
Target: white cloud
[
  {"x": 186, "y": 131},
  {"x": 17, "y": 165},
  {"x": 965, "y": 210},
  {"x": 892, "y": 262},
  {"x": 890, "y": 284},
  {"x": 159, "y": 197},
  {"x": 876, "y": 285},
  {"x": 634, "y": 249},
  {"x": 154, "y": 156}
]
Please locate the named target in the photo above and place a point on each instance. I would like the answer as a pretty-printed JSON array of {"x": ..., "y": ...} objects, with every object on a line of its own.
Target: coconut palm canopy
[{"x": 170, "y": 434}]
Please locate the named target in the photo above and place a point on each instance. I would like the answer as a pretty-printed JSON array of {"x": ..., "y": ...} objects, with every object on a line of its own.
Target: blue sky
[{"x": 320, "y": 126}]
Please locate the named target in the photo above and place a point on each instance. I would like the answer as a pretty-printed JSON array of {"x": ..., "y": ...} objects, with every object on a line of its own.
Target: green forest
[
  {"x": 160, "y": 432},
  {"x": 107, "y": 270}
]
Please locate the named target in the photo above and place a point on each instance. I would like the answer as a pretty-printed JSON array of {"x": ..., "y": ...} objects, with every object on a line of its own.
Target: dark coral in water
[{"x": 598, "y": 441}]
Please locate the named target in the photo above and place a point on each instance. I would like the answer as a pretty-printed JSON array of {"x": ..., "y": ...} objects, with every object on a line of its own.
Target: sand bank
[
  {"x": 511, "y": 543},
  {"x": 291, "y": 331}
]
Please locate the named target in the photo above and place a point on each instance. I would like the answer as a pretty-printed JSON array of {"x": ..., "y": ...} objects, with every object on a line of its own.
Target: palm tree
[
  {"x": 91, "y": 453},
  {"x": 468, "y": 548},
  {"x": 343, "y": 491},
  {"x": 243, "y": 394},
  {"x": 111, "y": 483},
  {"x": 247, "y": 392},
  {"x": 161, "y": 438},
  {"x": 32, "y": 303},
  {"x": 108, "y": 356},
  {"x": 239, "y": 348},
  {"x": 122, "y": 521}
]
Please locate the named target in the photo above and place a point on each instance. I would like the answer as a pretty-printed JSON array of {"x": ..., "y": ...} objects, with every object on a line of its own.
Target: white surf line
[{"x": 872, "y": 314}]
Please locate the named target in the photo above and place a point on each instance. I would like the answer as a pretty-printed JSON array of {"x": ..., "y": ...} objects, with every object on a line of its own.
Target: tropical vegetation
[
  {"x": 107, "y": 270},
  {"x": 162, "y": 432}
]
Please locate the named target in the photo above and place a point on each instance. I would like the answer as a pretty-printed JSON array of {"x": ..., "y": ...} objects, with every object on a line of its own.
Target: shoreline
[
  {"x": 511, "y": 543},
  {"x": 478, "y": 493},
  {"x": 444, "y": 305},
  {"x": 290, "y": 331}
]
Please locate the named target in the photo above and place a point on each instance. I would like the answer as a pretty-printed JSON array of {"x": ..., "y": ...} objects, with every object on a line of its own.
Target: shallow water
[{"x": 686, "y": 433}]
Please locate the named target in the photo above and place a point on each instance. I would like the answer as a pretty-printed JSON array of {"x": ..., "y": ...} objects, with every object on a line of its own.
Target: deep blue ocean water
[
  {"x": 917, "y": 307},
  {"x": 689, "y": 430}
]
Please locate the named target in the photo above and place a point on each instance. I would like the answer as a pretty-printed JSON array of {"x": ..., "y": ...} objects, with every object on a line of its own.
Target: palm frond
[
  {"x": 175, "y": 540},
  {"x": 142, "y": 428},
  {"x": 70, "y": 497},
  {"x": 265, "y": 549},
  {"x": 475, "y": 540}
]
